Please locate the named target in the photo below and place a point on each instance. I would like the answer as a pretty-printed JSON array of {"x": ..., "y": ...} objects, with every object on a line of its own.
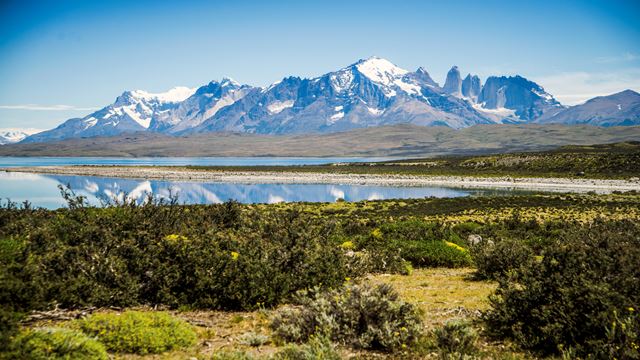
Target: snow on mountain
[
  {"x": 369, "y": 92},
  {"x": 380, "y": 70},
  {"x": 14, "y": 135},
  {"x": 201, "y": 105},
  {"x": 132, "y": 111}
]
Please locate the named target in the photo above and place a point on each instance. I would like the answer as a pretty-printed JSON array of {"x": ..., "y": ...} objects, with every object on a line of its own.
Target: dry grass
[{"x": 443, "y": 294}]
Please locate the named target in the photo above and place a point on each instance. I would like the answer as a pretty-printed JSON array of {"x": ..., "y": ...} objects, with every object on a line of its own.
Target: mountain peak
[
  {"x": 226, "y": 81},
  {"x": 379, "y": 70},
  {"x": 176, "y": 94}
]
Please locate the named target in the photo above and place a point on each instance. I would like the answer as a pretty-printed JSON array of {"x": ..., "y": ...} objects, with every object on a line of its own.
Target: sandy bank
[{"x": 257, "y": 177}]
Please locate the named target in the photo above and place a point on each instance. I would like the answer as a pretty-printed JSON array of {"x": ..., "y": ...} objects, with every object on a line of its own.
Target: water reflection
[{"x": 41, "y": 190}]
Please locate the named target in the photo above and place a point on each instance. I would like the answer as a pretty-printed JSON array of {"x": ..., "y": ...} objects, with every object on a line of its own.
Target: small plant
[
  {"x": 56, "y": 343},
  {"x": 231, "y": 355},
  {"x": 139, "y": 332},
  {"x": 363, "y": 316},
  {"x": 254, "y": 339},
  {"x": 456, "y": 338},
  {"x": 318, "y": 348}
]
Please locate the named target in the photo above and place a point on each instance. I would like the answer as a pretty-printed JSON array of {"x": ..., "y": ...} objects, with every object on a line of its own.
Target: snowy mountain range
[
  {"x": 370, "y": 92},
  {"x": 13, "y": 135}
]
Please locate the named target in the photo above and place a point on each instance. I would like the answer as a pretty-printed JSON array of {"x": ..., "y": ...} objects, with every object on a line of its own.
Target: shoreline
[{"x": 292, "y": 177}]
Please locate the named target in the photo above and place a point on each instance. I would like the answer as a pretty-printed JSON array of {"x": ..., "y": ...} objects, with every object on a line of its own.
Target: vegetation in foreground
[
  {"x": 617, "y": 161},
  {"x": 565, "y": 267}
]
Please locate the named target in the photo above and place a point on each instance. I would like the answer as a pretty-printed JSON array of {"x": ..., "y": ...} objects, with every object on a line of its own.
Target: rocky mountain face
[
  {"x": 453, "y": 83},
  {"x": 620, "y": 109},
  {"x": 471, "y": 87},
  {"x": 371, "y": 92},
  {"x": 525, "y": 98}
]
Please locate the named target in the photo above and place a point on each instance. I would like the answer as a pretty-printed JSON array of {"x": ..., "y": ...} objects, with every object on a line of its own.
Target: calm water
[
  {"x": 42, "y": 190},
  {"x": 177, "y": 161}
]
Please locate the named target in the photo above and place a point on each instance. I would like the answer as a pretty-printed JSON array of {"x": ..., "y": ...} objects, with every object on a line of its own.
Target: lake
[
  {"x": 42, "y": 190},
  {"x": 179, "y": 161}
]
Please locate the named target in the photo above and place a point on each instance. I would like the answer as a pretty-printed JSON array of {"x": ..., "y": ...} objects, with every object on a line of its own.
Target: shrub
[
  {"x": 231, "y": 355},
  {"x": 569, "y": 299},
  {"x": 363, "y": 316},
  {"x": 20, "y": 290},
  {"x": 316, "y": 349},
  {"x": 456, "y": 338},
  {"x": 56, "y": 343},
  {"x": 139, "y": 332},
  {"x": 496, "y": 261},
  {"x": 254, "y": 339}
]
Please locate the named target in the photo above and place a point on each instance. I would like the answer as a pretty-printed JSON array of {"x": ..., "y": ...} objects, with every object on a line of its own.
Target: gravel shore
[{"x": 257, "y": 177}]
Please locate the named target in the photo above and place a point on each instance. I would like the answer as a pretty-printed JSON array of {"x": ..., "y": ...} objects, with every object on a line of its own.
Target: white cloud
[
  {"x": 46, "y": 107},
  {"x": 626, "y": 57},
  {"x": 576, "y": 87}
]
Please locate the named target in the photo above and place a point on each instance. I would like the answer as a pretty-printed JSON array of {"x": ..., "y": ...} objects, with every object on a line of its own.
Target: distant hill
[
  {"x": 621, "y": 109},
  {"x": 398, "y": 141}
]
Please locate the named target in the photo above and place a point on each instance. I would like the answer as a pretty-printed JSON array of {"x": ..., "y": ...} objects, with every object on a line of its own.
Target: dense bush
[
  {"x": 363, "y": 316},
  {"x": 56, "y": 343},
  {"x": 210, "y": 256},
  {"x": 139, "y": 332},
  {"x": 456, "y": 338},
  {"x": 496, "y": 261},
  {"x": 571, "y": 297}
]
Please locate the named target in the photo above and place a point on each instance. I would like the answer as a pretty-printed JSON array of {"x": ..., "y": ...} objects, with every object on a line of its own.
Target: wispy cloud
[
  {"x": 37, "y": 107},
  {"x": 576, "y": 87},
  {"x": 626, "y": 57}
]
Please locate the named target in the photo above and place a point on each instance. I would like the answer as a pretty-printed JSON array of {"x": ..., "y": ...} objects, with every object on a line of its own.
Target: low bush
[
  {"x": 254, "y": 339},
  {"x": 423, "y": 244},
  {"x": 572, "y": 297},
  {"x": 434, "y": 253},
  {"x": 56, "y": 343},
  {"x": 318, "y": 348},
  {"x": 139, "y": 332},
  {"x": 456, "y": 338},
  {"x": 362, "y": 316},
  {"x": 231, "y": 355}
]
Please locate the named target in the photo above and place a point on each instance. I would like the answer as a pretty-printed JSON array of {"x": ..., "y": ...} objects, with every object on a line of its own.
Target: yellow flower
[
  {"x": 234, "y": 255},
  {"x": 631, "y": 309},
  {"x": 347, "y": 279},
  {"x": 175, "y": 238},
  {"x": 455, "y": 246},
  {"x": 376, "y": 233},
  {"x": 347, "y": 245}
]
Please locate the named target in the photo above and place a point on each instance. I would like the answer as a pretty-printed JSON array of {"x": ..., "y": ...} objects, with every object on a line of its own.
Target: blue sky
[{"x": 60, "y": 59}]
